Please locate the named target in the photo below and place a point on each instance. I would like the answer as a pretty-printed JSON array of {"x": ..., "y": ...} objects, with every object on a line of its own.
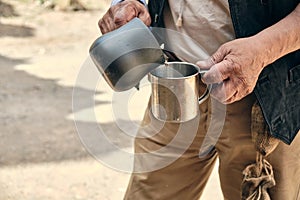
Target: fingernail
[{"x": 199, "y": 62}]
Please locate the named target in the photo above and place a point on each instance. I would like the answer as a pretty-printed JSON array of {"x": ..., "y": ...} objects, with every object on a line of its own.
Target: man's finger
[
  {"x": 236, "y": 97},
  {"x": 125, "y": 14},
  {"x": 145, "y": 17},
  {"x": 241, "y": 92},
  {"x": 233, "y": 99},
  {"x": 218, "y": 73},
  {"x": 223, "y": 91},
  {"x": 107, "y": 26},
  {"x": 143, "y": 14},
  {"x": 103, "y": 26},
  {"x": 217, "y": 57}
]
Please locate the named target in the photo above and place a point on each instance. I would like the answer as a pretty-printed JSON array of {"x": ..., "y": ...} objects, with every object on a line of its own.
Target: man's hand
[
  {"x": 234, "y": 69},
  {"x": 122, "y": 13}
]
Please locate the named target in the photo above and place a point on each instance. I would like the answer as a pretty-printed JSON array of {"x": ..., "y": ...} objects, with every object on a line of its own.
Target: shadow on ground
[
  {"x": 7, "y": 10},
  {"x": 33, "y": 120},
  {"x": 15, "y": 31}
]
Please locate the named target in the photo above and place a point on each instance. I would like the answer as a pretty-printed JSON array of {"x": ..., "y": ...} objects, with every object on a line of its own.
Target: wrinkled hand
[
  {"x": 122, "y": 13},
  {"x": 234, "y": 69}
]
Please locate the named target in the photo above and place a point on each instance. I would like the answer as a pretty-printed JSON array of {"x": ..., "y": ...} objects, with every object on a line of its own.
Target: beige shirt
[{"x": 206, "y": 24}]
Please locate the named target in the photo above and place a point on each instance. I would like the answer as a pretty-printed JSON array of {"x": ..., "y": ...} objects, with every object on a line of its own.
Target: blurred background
[{"x": 43, "y": 45}]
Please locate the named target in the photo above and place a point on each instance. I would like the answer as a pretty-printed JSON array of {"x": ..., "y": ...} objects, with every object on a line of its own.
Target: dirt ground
[{"x": 41, "y": 156}]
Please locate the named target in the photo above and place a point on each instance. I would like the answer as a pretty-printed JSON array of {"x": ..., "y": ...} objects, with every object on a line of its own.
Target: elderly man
[{"x": 255, "y": 57}]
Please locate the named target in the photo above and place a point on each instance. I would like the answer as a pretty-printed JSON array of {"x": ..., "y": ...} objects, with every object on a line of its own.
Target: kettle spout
[{"x": 137, "y": 86}]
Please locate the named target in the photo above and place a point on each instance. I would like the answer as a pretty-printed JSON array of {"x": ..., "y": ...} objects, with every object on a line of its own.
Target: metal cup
[{"x": 175, "y": 91}]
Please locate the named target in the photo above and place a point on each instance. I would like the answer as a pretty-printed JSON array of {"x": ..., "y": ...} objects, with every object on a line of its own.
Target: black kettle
[{"x": 125, "y": 55}]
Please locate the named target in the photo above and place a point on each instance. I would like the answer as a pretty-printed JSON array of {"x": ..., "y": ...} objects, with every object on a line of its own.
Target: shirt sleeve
[{"x": 114, "y": 2}]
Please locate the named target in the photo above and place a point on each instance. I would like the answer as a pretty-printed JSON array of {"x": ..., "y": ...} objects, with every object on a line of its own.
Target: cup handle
[{"x": 205, "y": 95}]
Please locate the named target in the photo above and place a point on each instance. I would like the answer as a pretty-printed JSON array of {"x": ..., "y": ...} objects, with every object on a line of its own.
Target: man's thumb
[
  {"x": 205, "y": 64},
  {"x": 217, "y": 57}
]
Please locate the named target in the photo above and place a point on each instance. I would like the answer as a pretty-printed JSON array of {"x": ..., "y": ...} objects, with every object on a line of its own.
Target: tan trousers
[{"x": 185, "y": 178}]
